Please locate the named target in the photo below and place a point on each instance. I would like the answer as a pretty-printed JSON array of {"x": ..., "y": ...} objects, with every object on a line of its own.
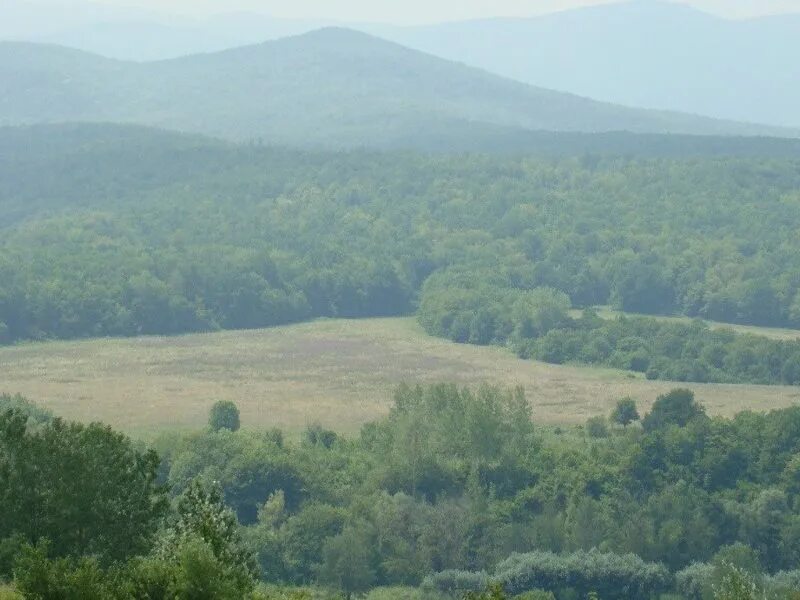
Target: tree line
[{"x": 537, "y": 324}]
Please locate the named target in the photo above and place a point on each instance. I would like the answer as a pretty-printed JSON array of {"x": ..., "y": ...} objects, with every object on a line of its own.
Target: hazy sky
[{"x": 421, "y": 11}]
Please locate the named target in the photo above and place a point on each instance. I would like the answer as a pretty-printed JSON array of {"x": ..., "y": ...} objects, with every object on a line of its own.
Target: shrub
[{"x": 596, "y": 427}]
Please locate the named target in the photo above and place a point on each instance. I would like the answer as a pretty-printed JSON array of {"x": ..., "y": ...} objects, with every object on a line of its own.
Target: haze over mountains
[
  {"x": 648, "y": 54},
  {"x": 659, "y": 55},
  {"x": 332, "y": 88}
]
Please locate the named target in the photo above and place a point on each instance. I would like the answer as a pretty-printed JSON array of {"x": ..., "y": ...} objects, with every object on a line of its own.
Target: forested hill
[
  {"x": 332, "y": 87},
  {"x": 48, "y": 168}
]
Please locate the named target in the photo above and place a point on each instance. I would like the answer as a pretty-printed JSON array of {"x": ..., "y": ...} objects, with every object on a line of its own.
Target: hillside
[
  {"x": 627, "y": 53},
  {"x": 332, "y": 87}
]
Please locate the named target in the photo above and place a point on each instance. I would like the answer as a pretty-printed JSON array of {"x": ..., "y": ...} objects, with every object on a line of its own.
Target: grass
[{"x": 339, "y": 373}]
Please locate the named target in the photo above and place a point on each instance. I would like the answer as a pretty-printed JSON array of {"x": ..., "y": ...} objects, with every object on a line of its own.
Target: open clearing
[{"x": 339, "y": 373}]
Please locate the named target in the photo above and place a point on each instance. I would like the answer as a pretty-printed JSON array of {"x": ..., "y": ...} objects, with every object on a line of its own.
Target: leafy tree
[
  {"x": 625, "y": 412},
  {"x": 347, "y": 561},
  {"x": 224, "y": 415},
  {"x": 206, "y": 532},
  {"x": 35, "y": 576},
  {"x": 678, "y": 407},
  {"x": 85, "y": 488}
]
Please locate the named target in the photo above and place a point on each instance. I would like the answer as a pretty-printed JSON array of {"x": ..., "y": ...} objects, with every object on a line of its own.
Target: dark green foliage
[
  {"x": 438, "y": 436},
  {"x": 678, "y": 407},
  {"x": 347, "y": 561},
  {"x": 39, "y": 578},
  {"x": 535, "y": 323},
  {"x": 85, "y": 488},
  {"x": 535, "y": 595},
  {"x": 199, "y": 556},
  {"x": 248, "y": 466},
  {"x": 224, "y": 415}
]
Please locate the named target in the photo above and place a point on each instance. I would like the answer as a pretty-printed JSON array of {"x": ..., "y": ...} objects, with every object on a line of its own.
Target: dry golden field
[{"x": 339, "y": 373}]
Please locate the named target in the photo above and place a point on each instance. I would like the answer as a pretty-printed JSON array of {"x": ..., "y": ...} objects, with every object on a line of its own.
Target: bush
[
  {"x": 596, "y": 427},
  {"x": 36, "y": 576}
]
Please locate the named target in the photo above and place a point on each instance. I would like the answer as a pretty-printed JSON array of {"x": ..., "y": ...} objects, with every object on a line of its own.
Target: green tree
[
  {"x": 347, "y": 561},
  {"x": 38, "y": 577},
  {"x": 678, "y": 407},
  {"x": 625, "y": 412},
  {"x": 86, "y": 488},
  {"x": 224, "y": 415},
  {"x": 203, "y": 519}
]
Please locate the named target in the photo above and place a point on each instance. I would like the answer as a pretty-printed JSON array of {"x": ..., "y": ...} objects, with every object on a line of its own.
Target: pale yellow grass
[{"x": 339, "y": 373}]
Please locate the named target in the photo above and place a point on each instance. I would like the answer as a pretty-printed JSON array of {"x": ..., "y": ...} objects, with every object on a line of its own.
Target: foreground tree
[
  {"x": 199, "y": 557},
  {"x": 85, "y": 488},
  {"x": 207, "y": 531}
]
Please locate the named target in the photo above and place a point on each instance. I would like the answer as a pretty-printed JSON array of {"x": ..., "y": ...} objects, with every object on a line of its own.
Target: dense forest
[
  {"x": 455, "y": 492},
  {"x": 113, "y": 231}
]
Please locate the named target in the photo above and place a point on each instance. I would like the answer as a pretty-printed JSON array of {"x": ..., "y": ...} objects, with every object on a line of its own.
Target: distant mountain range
[
  {"x": 649, "y": 54},
  {"x": 330, "y": 88}
]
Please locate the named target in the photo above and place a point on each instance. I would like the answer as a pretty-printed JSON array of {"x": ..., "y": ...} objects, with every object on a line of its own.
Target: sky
[{"x": 425, "y": 11}]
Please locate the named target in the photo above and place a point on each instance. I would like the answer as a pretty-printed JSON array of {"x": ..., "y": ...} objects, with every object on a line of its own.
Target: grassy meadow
[{"x": 339, "y": 373}]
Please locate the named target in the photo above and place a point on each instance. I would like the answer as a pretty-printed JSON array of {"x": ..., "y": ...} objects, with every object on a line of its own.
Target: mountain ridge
[{"x": 332, "y": 87}]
